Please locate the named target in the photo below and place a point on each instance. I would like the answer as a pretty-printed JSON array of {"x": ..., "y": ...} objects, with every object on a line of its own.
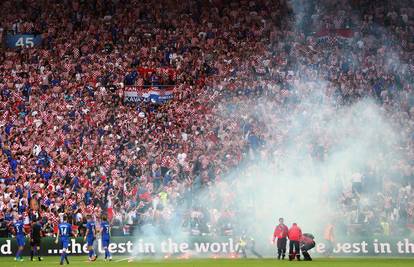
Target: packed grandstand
[{"x": 129, "y": 108}]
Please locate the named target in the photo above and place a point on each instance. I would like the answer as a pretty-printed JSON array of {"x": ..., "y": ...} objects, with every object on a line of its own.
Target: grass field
[{"x": 123, "y": 262}]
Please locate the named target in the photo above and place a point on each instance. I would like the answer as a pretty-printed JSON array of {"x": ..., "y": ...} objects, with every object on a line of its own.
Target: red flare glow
[{"x": 184, "y": 256}]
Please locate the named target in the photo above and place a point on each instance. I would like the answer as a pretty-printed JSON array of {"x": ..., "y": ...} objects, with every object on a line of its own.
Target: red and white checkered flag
[
  {"x": 140, "y": 82},
  {"x": 164, "y": 161},
  {"x": 233, "y": 125},
  {"x": 165, "y": 72},
  {"x": 4, "y": 171},
  {"x": 180, "y": 109},
  {"x": 74, "y": 169},
  {"x": 15, "y": 94},
  {"x": 70, "y": 202}
]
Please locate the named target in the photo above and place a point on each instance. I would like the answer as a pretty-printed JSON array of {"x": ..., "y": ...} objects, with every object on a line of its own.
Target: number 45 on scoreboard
[{"x": 24, "y": 42}]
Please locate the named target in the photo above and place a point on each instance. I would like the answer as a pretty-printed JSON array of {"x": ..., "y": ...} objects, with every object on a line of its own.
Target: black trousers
[
  {"x": 35, "y": 244},
  {"x": 305, "y": 249},
  {"x": 281, "y": 247},
  {"x": 294, "y": 250}
]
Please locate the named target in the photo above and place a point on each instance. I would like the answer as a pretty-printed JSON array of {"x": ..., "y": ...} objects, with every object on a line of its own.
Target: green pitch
[{"x": 81, "y": 261}]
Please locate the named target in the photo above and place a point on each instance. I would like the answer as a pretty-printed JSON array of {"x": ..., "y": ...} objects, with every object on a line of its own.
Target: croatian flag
[
  {"x": 333, "y": 37},
  {"x": 154, "y": 94}
]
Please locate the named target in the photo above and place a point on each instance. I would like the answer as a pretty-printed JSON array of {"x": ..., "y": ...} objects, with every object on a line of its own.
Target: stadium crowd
[{"x": 71, "y": 144}]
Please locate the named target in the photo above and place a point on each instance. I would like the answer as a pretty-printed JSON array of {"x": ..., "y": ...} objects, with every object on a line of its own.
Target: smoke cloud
[{"x": 310, "y": 153}]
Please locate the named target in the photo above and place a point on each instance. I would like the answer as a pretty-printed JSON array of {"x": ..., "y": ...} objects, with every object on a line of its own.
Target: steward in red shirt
[
  {"x": 281, "y": 232},
  {"x": 307, "y": 243},
  {"x": 294, "y": 234}
]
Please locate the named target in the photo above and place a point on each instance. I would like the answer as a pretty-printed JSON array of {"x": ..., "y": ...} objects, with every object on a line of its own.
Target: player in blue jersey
[
  {"x": 106, "y": 235},
  {"x": 65, "y": 231},
  {"x": 20, "y": 237},
  {"x": 90, "y": 237}
]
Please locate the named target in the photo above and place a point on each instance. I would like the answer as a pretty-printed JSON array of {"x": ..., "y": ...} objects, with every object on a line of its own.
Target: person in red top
[
  {"x": 281, "y": 233},
  {"x": 294, "y": 234},
  {"x": 307, "y": 243}
]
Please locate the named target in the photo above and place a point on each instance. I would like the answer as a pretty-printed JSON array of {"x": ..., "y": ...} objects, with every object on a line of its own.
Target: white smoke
[
  {"x": 286, "y": 180},
  {"x": 314, "y": 149}
]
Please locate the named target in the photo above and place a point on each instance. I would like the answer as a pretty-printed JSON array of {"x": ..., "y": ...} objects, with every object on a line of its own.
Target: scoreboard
[{"x": 22, "y": 40}]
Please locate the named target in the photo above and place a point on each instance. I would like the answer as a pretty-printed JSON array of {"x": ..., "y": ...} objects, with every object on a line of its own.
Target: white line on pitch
[{"x": 130, "y": 258}]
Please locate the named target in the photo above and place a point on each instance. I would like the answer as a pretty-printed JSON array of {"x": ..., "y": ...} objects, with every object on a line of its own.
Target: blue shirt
[
  {"x": 21, "y": 209},
  {"x": 13, "y": 164},
  {"x": 19, "y": 192},
  {"x": 8, "y": 128},
  {"x": 47, "y": 175},
  {"x": 88, "y": 196},
  {"x": 130, "y": 78},
  {"x": 105, "y": 230},
  {"x": 27, "y": 89},
  {"x": 91, "y": 228},
  {"x": 8, "y": 217},
  {"x": 18, "y": 226},
  {"x": 65, "y": 230}
]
